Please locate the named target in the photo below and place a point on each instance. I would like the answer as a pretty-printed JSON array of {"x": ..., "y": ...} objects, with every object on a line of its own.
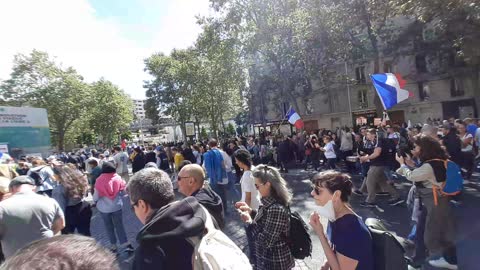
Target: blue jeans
[
  {"x": 388, "y": 173},
  {"x": 365, "y": 167},
  {"x": 113, "y": 223},
  {"x": 234, "y": 193}
]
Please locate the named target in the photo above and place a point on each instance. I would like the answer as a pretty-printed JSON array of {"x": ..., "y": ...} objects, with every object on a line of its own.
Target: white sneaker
[{"x": 442, "y": 263}]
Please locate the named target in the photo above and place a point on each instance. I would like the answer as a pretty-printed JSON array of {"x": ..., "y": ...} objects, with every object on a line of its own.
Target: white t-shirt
[
  {"x": 227, "y": 160},
  {"x": 393, "y": 136},
  {"x": 198, "y": 157},
  {"x": 330, "y": 151},
  {"x": 248, "y": 185},
  {"x": 121, "y": 161},
  {"x": 469, "y": 147},
  {"x": 477, "y": 137}
]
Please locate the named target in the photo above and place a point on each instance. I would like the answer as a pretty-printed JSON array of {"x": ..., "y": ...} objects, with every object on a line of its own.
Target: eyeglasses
[
  {"x": 179, "y": 178},
  {"x": 316, "y": 189},
  {"x": 132, "y": 206},
  {"x": 257, "y": 186}
]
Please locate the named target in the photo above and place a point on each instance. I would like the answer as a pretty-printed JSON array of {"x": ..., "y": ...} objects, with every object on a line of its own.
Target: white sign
[
  {"x": 190, "y": 129},
  {"x": 23, "y": 117},
  {"x": 4, "y": 148},
  {"x": 34, "y": 155}
]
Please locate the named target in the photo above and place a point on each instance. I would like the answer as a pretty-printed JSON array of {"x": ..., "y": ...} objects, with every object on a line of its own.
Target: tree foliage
[
  {"x": 110, "y": 111},
  {"x": 38, "y": 81},
  {"x": 74, "y": 107},
  {"x": 202, "y": 83},
  {"x": 456, "y": 22},
  {"x": 283, "y": 43}
]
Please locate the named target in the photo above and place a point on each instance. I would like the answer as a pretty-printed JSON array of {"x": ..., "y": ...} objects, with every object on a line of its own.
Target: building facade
[
  {"x": 138, "y": 108},
  {"x": 443, "y": 86}
]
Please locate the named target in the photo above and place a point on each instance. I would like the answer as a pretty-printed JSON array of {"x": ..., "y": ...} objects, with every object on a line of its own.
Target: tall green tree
[
  {"x": 453, "y": 27},
  {"x": 111, "y": 111},
  {"x": 29, "y": 74},
  {"x": 172, "y": 83},
  {"x": 38, "y": 81},
  {"x": 284, "y": 46},
  {"x": 221, "y": 76}
]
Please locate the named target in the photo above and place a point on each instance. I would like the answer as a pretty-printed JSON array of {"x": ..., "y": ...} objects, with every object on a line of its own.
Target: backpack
[
  {"x": 453, "y": 183},
  {"x": 215, "y": 251},
  {"x": 299, "y": 240},
  {"x": 35, "y": 175},
  {"x": 388, "y": 253}
]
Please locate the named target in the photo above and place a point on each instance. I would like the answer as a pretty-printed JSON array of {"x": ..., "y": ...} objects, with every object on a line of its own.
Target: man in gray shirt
[
  {"x": 121, "y": 163},
  {"x": 27, "y": 216}
]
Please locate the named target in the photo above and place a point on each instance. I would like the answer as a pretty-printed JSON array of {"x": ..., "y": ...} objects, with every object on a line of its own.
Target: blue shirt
[
  {"x": 350, "y": 237},
  {"x": 213, "y": 165},
  {"x": 472, "y": 128}
]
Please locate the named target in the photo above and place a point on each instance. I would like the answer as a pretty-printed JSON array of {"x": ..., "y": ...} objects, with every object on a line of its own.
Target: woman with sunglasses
[
  {"x": 351, "y": 245},
  {"x": 270, "y": 225}
]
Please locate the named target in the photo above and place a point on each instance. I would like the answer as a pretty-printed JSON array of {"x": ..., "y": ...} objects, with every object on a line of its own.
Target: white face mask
[{"x": 327, "y": 211}]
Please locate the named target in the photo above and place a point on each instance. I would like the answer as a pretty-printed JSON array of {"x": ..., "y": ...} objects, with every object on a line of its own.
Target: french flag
[
  {"x": 389, "y": 87},
  {"x": 294, "y": 118}
]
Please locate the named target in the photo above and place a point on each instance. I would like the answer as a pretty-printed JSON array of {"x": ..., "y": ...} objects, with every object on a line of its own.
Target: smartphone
[{"x": 401, "y": 153}]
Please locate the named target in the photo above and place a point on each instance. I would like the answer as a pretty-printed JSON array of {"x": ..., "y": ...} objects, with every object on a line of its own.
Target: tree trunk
[
  {"x": 223, "y": 124},
  {"x": 476, "y": 86},
  {"x": 184, "y": 131},
  {"x": 197, "y": 134},
  {"x": 290, "y": 89},
  {"x": 214, "y": 127},
  {"x": 61, "y": 141}
]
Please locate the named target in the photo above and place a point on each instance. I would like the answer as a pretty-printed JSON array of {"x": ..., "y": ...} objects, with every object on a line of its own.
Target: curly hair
[
  {"x": 74, "y": 182},
  {"x": 430, "y": 148}
]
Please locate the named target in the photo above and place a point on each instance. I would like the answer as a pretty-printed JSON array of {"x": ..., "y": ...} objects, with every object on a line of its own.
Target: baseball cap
[{"x": 21, "y": 180}]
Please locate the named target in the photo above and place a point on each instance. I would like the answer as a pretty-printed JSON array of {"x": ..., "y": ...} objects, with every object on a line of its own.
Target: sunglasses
[
  {"x": 179, "y": 178},
  {"x": 317, "y": 190},
  {"x": 265, "y": 169},
  {"x": 315, "y": 187},
  {"x": 132, "y": 206},
  {"x": 257, "y": 186}
]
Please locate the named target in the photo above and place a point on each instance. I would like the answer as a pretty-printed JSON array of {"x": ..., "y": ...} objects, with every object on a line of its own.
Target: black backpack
[
  {"x": 299, "y": 241},
  {"x": 35, "y": 175},
  {"x": 389, "y": 254}
]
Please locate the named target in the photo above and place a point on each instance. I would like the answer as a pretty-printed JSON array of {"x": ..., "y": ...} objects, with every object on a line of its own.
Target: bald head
[
  {"x": 195, "y": 171},
  {"x": 190, "y": 179}
]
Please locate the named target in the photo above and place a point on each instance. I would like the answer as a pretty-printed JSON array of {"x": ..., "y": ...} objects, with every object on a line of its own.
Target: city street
[{"x": 396, "y": 218}]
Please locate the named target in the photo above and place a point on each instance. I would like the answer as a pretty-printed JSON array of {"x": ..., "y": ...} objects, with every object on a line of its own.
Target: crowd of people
[{"x": 43, "y": 198}]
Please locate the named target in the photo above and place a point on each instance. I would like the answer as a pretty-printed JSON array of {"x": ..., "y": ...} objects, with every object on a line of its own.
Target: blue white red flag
[
  {"x": 389, "y": 87},
  {"x": 294, "y": 118}
]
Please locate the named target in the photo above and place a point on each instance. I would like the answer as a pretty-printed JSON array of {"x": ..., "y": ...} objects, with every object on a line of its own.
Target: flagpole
[{"x": 283, "y": 121}]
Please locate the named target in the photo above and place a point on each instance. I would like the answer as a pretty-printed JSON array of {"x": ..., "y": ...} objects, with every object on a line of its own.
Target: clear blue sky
[{"x": 139, "y": 19}]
